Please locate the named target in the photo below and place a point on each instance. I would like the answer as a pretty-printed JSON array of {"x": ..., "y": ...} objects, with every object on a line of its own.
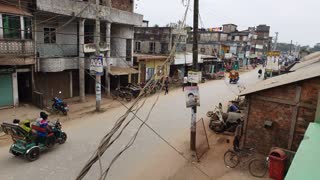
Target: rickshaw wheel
[{"x": 33, "y": 154}]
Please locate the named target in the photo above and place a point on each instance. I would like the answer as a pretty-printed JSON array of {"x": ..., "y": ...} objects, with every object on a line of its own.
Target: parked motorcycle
[
  {"x": 123, "y": 94},
  {"x": 60, "y": 106},
  {"x": 220, "y": 122}
]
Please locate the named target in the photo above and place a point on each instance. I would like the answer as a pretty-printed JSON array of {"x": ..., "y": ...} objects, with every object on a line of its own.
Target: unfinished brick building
[{"x": 280, "y": 109}]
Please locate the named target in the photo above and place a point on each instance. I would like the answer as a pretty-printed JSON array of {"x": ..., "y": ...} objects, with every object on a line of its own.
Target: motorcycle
[
  {"x": 60, "y": 106},
  {"x": 220, "y": 122},
  {"x": 123, "y": 94}
]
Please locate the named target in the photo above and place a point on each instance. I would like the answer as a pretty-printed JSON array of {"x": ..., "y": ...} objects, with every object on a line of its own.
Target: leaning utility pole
[
  {"x": 275, "y": 42},
  {"x": 195, "y": 68},
  {"x": 97, "y": 42}
]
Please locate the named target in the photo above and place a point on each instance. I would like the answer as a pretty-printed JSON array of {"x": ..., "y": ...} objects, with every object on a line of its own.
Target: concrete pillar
[
  {"x": 15, "y": 89},
  {"x": 71, "y": 84},
  {"x": 108, "y": 55},
  {"x": 129, "y": 78},
  {"x": 132, "y": 46},
  {"x": 81, "y": 61},
  {"x": 1, "y": 27},
  {"x": 22, "y": 27}
]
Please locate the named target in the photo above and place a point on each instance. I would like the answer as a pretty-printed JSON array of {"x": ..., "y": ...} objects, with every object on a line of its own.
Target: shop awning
[
  {"x": 13, "y": 10},
  {"x": 118, "y": 71}
]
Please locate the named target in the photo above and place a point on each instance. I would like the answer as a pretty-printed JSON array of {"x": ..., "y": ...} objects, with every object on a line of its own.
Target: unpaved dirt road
[{"x": 170, "y": 118}]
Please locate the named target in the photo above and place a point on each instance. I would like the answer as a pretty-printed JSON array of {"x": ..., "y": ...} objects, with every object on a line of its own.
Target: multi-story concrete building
[
  {"x": 261, "y": 41},
  {"x": 228, "y": 40},
  {"x": 159, "y": 40},
  {"x": 46, "y": 46},
  {"x": 16, "y": 55},
  {"x": 152, "y": 47},
  {"x": 65, "y": 35}
]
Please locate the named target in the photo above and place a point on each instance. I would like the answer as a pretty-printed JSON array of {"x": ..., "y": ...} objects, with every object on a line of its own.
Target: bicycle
[
  {"x": 233, "y": 158},
  {"x": 257, "y": 167}
]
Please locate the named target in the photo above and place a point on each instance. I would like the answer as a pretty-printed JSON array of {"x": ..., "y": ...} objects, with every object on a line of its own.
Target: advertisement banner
[
  {"x": 96, "y": 66},
  {"x": 194, "y": 77},
  {"x": 273, "y": 61},
  {"x": 192, "y": 96}
]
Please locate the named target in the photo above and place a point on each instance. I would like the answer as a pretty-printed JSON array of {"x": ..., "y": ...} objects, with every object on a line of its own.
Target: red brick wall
[
  {"x": 263, "y": 138},
  {"x": 125, "y": 5},
  {"x": 310, "y": 89},
  {"x": 260, "y": 111},
  {"x": 286, "y": 92}
]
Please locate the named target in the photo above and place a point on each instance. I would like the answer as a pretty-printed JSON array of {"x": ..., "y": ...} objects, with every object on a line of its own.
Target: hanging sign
[
  {"x": 194, "y": 77},
  {"x": 96, "y": 66},
  {"x": 192, "y": 96}
]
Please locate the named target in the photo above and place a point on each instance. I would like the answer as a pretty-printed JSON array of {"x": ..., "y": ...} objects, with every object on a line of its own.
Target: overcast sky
[{"x": 297, "y": 20}]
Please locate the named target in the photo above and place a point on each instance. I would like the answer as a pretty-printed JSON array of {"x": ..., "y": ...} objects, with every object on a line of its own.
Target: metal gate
[{"x": 6, "y": 90}]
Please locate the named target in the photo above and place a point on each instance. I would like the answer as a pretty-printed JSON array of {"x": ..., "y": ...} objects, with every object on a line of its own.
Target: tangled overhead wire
[{"x": 107, "y": 140}]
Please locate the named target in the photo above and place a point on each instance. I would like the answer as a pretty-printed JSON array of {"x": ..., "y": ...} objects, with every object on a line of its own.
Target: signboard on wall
[
  {"x": 192, "y": 96},
  {"x": 194, "y": 77},
  {"x": 233, "y": 49},
  {"x": 96, "y": 65},
  {"x": 228, "y": 55}
]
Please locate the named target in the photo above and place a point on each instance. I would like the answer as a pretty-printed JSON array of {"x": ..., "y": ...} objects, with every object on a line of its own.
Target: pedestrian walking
[
  {"x": 166, "y": 86},
  {"x": 185, "y": 82},
  {"x": 260, "y": 73}
]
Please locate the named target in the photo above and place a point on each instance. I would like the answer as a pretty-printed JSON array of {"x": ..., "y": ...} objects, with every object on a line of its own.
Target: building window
[
  {"x": 152, "y": 47},
  {"x": 203, "y": 50},
  {"x": 150, "y": 72},
  {"x": 27, "y": 28},
  {"x": 138, "y": 47},
  {"x": 11, "y": 26},
  {"x": 128, "y": 49},
  {"x": 49, "y": 35},
  {"x": 164, "y": 48}
]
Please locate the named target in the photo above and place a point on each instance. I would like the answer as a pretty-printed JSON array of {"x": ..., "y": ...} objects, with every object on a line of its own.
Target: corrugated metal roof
[
  {"x": 306, "y": 63},
  {"x": 310, "y": 56},
  {"x": 306, "y": 72},
  {"x": 13, "y": 10}
]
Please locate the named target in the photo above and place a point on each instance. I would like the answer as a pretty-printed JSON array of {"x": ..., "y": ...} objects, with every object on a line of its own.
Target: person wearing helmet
[{"x": 42, "y": 123}]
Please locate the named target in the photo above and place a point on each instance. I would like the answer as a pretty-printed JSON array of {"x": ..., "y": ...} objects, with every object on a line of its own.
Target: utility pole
[
  {"x": 275, "y": 42},
  {"x": 97, "y": 42},
  {"x": 195, "y": 68}
]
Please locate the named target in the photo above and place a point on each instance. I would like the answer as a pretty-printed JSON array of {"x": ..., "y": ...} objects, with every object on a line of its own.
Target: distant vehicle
[
  {"x": 59, "y": 106},
  {"x": 234, "y": 77}
]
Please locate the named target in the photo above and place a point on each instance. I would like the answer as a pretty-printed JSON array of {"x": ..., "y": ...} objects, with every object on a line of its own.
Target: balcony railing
[{"x": 16, "y": 47}]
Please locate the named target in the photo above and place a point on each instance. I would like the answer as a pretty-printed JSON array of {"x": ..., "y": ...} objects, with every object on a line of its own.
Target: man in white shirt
[{"x": 185, "y": 82}]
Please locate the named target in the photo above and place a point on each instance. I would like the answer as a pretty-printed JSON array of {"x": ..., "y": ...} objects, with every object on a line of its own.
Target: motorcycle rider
[{"x": 42, "y": 122}]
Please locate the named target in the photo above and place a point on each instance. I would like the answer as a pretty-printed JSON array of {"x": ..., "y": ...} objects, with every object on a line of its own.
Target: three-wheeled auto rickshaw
[
  {"x": 234, "y": 77},
  {"x": 28, "y": 144}
]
